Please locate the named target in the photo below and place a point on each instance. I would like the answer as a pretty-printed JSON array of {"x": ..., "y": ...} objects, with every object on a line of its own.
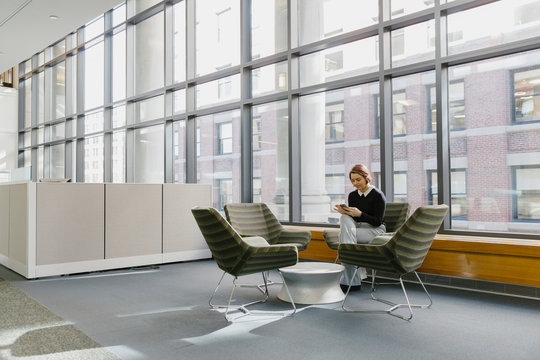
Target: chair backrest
[
  {"x": 412, "y": 241},
  {"x": 395, "y": 215},
  {"x": 254, "y": 219},
  {"x": 224, "y": 242}
]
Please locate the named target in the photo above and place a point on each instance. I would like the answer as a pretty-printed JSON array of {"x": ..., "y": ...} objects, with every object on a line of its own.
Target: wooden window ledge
[{"x": 508, "y": 260}]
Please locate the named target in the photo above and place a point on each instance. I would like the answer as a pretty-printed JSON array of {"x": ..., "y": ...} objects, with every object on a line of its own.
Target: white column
[{"x": 315, "y": 202}]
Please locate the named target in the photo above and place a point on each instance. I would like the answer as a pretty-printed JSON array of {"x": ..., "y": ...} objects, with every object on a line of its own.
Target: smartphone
[{"x": 343, "y": 206}]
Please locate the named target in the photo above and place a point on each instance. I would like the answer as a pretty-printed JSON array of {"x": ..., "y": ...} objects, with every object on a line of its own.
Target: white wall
[{"x": 8, "y": 128}]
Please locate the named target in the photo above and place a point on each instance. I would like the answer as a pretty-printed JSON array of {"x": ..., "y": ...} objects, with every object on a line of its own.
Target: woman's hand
[{"x": 345, "y": 210}]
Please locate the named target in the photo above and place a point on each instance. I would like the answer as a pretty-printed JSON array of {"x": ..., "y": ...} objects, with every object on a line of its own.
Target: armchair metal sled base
[
  {"x": 243, "y": 307},
  {"x": 393, "y": 306}
]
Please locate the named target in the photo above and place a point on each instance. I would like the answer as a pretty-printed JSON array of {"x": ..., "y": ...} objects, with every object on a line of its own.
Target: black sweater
[{"x": 372, "y": 206}]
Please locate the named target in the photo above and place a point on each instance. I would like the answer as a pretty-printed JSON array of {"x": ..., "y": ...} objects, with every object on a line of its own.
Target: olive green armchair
[
  {"x": 239, "y": 256},
  {"x": 401, "y": 253}
]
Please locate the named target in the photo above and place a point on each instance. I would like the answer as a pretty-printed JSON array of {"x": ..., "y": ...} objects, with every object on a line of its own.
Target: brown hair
[{"x": 361, "y": 170}]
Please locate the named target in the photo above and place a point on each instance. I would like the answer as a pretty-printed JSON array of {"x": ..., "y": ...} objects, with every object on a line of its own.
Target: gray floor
[{"x": 162, "y": 313}]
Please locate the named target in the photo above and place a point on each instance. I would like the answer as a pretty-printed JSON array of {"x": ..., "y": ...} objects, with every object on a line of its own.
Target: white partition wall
[
  {"x": 53, "y": 229},
  {"x": 182, "y": 238},
  {"x": 133, "y": 220},
  {"x": 70, "y": 223},
  {"x": 20, "y": 209},
  {"x": 4, "y": 220}
]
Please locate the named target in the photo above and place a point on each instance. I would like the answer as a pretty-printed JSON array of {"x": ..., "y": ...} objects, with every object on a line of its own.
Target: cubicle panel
[
  {"x": 180, "y": 231},
  {"x": 133, "y": 220},
  {"x": 69, "y": 223},
  {"x": 18, "y": 235},
  {"x": 4, "y": 219}
]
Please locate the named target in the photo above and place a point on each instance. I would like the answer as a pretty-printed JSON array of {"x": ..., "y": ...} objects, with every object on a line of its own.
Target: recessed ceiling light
[{"x": 53, "y": 17}]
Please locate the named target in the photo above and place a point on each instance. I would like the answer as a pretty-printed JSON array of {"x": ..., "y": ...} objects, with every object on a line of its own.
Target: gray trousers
[{"x": 352, "y": 232}]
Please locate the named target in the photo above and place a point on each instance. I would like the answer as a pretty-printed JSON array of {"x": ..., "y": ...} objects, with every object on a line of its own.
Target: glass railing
[{"x": 14, "y": 175}]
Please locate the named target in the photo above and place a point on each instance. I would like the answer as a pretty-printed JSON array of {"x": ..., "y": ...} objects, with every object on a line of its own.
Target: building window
[
  {"x": 399, "y": 113},
  {"x": 400, "y": 186},
  {"x": 198, "y": 141},
  {"x": 527, "y": 95},
  {"x": 456, "y": 107},
  {"x": 526, "y": 192},
  {"x": 257, "y": 190},
  {"x": 459, "y": 204},
  {"x": 256, "y": 133},
  {"x": 333, "y": 62},
  {"x": 224, "y": 188},
  {"x": 224, "y": 88},
  {"x": 225, "y": 138},
  {"x": 334, "y": 123}
]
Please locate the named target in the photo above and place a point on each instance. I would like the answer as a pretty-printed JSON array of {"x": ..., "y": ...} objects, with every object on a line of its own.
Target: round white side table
[{"x": 312, "y": 283}]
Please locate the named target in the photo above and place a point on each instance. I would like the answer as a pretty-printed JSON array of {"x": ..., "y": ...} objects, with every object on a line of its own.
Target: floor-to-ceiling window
[{"x": 440, "y": 99}]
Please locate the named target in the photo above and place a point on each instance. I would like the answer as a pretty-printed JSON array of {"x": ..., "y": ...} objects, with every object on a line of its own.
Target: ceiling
[{"x": 25, "y": 26}]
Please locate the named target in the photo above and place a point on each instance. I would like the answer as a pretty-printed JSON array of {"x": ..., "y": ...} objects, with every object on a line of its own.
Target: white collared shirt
[{"x": 367, "y": 191}]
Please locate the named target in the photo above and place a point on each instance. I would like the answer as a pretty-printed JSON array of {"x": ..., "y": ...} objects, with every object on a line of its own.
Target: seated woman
[{"x": 362, "y": 220}]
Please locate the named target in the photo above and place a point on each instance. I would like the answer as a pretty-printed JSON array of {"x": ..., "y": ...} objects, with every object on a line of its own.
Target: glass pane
[
  {"x": 527, "y": 95},
  {"x": 27, "y": 158},
  {"x": 149, "y": 54},
  {"x": 72, "y": 41},
  {"x": 27, "y": 84},
  {"x": 321, "y": 19},
  {"x": 404, "y": 7},
  {"x": 118, "y": 157},
  {"x": 179, "y": 101},
  {"x": 180, "y": 41},
  {"x": 41, "y": 135},
  {"x": 58, "y": 132},
  {"x": 222, "y": 171},
  {"x": 41, "y": 97},
  {"x": 413, "y": 43},
  {"x": 41, "y": 58},
  {"x": 496, "y": 23},
  {"x": 217, "y": 32},
  {"x": 269, "y": 79},
  {"x": 119, "y": 116},
  {"x": 119, "y": 66},
  {"x": 527, "y": 193},
  {"x": 58, "y": 90},
  {"x": 93, "y": 159},
  {"x": 94, "y": 76},
  {"x": 340, "y": 62},
  {"x": 73, "y": 79},
  {"x": 325, "y": 163},
  {"x": 40, "y": 162},
  {"x": 119, "y": 15},
  {"x": 28, "y": 66},
  {"x": 59, "y": 48},
  {"x": 94, "y": 28},
  {"x": 150, "y": 109},
  {"x": 268, "y": 27},
  {"x": 57, "y": 161},
  {"x": 179, "y": 143},
  {"x": 27, "y": 138},
  {"x": 221, "y": 91},
  {"x": 149, "y": 155},
  {"x": 500, "y": 145},
  {"x": 415, "y": 149},
  {"x": 271, "y": 157},
  {"x": 141, "y": 5},
  {"x": 93, "y": 122}
]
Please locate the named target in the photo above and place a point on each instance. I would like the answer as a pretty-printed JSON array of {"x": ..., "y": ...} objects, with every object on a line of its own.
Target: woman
[{"x": 362, "y": 220}]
